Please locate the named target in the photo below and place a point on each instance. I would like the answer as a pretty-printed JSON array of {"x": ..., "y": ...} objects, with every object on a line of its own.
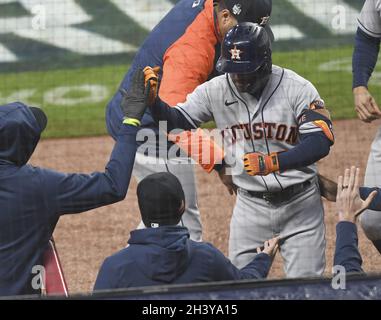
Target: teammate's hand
[
  {"x": 134, "y": 101},
  {"x": 365, "y": 105},
  {"x": 227, "y": 180},
  {"x": 151, "y": 76},
  {"x": 348, "y": 202},
  {"x": 259, "y": 164},
  {"x": 270, "y": 247}
]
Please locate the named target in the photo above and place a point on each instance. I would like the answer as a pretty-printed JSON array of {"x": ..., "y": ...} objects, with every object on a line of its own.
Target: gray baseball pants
[
  {"x": 298, "y": 221},
  {"x": 371, "y": 220}
]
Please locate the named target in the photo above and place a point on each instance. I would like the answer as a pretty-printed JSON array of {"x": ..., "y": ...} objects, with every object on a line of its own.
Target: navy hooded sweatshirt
[
  {"x": 166, "y": 255},
  {"x": 32, "y": 199}
]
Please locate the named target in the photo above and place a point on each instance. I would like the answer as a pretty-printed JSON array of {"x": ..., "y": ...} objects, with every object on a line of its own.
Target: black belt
[{"x": 281, "y": 196}]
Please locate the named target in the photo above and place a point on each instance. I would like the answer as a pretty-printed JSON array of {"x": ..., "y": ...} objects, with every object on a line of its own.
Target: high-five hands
[
  {"x": 348, "y": 202},
  {"x": 133, "y": 102}
]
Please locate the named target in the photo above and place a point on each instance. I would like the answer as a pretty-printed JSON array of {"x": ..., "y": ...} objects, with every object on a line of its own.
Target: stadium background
[{"x": 69, "y": 56}]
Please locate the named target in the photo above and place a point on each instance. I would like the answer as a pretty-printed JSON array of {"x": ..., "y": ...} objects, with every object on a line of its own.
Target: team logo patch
[
  {"x": 317, "y": 104},
  {"x": 264, "y": 20},
  {"x": 237, "y": 9},
  {"x": 236, "y": 53},
  {"x": 303, "y": 118},
  {"x": 196, "y": 3}
]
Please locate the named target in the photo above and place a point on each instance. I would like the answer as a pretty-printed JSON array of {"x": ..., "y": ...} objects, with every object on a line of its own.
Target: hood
[
  {"x": 166, "y": 254},
  {"x": 19, "y": 133}
]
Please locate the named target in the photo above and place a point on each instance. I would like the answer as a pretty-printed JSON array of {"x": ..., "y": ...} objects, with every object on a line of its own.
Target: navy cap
[
  {"x": 160, "y": 198},
  {"x": 256, "y": 11}
]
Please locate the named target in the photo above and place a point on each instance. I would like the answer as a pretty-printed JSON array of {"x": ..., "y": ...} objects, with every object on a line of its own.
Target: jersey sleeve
[
  {"x": 224, "y": 270},
  {"x": 67, "y": 193},
  {"x": 370, "y": 18},
  {"x": 197, "y": 107},
  {"x": 305, "y": 96},
  {"x": 347, "y": 252},
  {"x": 311, "y": 113}
]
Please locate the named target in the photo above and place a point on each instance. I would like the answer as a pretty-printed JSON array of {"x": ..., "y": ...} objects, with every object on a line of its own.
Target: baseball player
[
  {"x": 32, "y": 199},
  {"x": 367, "y": 46},
  {"x": 184, "y": 46},
  {"x": 279, "y": 127}
]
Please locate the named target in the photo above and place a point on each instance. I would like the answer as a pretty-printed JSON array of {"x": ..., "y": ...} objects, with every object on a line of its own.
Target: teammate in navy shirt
[
  {"x": 163, "y": 253},
  {"x": 32, "y": 199}
]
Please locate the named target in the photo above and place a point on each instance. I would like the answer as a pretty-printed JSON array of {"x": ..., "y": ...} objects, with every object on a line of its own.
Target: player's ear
[
  {"x": 227, "y": 19},
  {"x": 182, "y": 207}
]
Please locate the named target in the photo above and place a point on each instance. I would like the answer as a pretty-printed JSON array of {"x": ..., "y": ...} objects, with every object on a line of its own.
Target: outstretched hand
[
  {"x": 348, "y": 202},
  {"x": 270, "y": 247},
  {"x": 134, "y": 101},
  {"x": 151, "y": 80}
]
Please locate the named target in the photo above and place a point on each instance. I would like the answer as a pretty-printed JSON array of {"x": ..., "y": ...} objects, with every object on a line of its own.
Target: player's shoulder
[
  {"x": 288, "y": 75},
  {"x": 204, "y": 248},
  {"x": 218, "y": 83},
  {"x": 290, "y": 79},
  {"x": 371, "y": 4},
  {"x": 376, "y": 4}
]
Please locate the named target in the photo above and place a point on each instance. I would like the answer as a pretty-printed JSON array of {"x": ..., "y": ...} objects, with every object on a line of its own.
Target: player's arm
[
  {"x": 316, "y": 139},
  {"x": 74, "y": 193},
  {"x": 367, "y": 46},
  {"x": 312, "y": 148},
  {"x": 197, "y": 144},
  {"x": 346, "y": 250},
  {"x": 258, "y": 268},
  {"x": 365, "y": 57},
  {"x": 174, "y": 116},
  {"x": 159, "y": 109},
  {"x": 187, "y": 115},
  {"x": 363, "y": 63}
]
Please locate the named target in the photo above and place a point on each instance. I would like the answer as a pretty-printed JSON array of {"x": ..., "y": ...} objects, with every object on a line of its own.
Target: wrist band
[{"x": 132, "y": 122}]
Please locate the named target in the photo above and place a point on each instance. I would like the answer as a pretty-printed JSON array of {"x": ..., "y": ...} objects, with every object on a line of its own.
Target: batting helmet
[{"x": 246, "y": 48}]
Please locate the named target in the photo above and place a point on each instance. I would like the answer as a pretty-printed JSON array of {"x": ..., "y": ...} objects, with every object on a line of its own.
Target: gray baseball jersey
[
  {"x": 267, "y": 125},
  {"x": 370, "y": 18}
]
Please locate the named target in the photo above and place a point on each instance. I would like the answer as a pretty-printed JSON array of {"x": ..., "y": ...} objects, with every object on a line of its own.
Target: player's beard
[
  {"x": 253, "y": 83},
  {"x": 256, "y": 88}
]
